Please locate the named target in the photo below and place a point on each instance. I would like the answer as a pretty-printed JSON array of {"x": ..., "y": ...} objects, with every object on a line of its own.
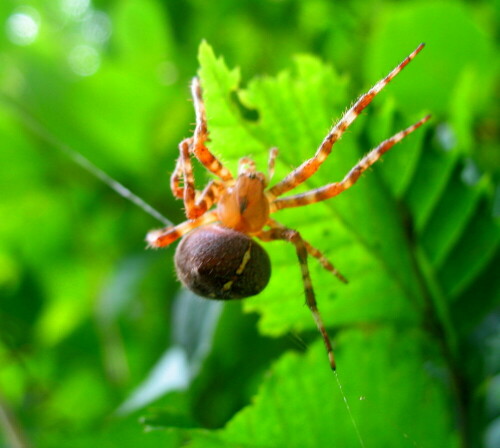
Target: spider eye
[{"x": 221, "y": 263}]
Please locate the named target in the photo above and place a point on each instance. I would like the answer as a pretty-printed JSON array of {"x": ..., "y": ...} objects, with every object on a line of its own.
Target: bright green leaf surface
[
  {"x": 300, "y": 403},
  {"x": 361, "y": 227}
]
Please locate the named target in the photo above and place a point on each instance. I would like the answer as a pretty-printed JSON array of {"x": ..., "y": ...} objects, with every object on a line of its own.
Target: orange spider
[{"x": 218, "y": 257}]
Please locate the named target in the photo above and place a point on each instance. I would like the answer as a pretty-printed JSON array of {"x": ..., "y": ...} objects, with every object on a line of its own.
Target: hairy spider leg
[
  {"x": 195, "y": 145},
  {"x": 313, "y": 252},
  {"x": 176, "y": 177},
  {"x": 195, "y": 202},
  {"x": 246, "y": 165},
  {"x": 333, "y": 189},
  {"x": 310, "y": 166},
  {"x": 192, "y": 212},
  {"x": 292, "y": 236},
  {"x": 168, "y": 235},
  {"x": 183, "y": 172},
  {"x": 199, "y": 149},
  {"x": 210, "y": 195},
  {"x": 273, "y": 153}
]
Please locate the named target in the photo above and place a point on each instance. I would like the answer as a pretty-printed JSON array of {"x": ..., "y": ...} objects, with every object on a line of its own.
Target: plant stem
[{"x": 440, "y": 325}]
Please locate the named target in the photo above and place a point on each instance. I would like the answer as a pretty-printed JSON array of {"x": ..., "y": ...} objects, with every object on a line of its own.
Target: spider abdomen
[{"x": 221, "y": 263}]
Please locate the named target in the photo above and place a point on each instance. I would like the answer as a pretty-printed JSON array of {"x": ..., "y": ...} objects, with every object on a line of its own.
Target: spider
[{"x": 218, "y": 257}]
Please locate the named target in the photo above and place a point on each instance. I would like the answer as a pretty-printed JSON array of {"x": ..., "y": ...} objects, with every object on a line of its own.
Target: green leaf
[
  {"x": 402, "y": 235},
  {"x": 300, "y": 403},
  {"x": 361, "y": 228}
]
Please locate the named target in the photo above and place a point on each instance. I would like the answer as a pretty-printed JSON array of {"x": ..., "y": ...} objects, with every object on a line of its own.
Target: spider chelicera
[{"x": 217, "y": 257}]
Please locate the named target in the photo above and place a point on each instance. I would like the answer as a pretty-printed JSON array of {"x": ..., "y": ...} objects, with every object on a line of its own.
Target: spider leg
[
  {"x": 164, "y": 237},
  {"x": 313, "y": 252},
  {"x": 199, "y": 149},
  {"x": 178, "y": 174},
  {"x": 292, "y": 236},
  {"x": 175, "y": 180},
  {"x": 246, "y": 165},
  {"x": 209, "y": 196},
  {"x": 273, "y": 153},
  {"x": 195, "y": 202},
  {"x": 309, "y": 167},
  {"x": 195, "y": 145},
  {"x": 333, "y": 189}
]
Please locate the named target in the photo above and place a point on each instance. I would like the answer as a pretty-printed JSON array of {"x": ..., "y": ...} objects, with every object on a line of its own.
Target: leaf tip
[{"x": 205, "y": 52}]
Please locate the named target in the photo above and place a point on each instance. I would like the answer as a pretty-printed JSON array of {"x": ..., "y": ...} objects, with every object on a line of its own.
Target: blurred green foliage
[{"x": 86, "y": 313}]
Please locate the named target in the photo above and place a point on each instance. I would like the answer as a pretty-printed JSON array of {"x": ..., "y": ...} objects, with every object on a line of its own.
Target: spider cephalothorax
[{"x": 218, "y": 257}]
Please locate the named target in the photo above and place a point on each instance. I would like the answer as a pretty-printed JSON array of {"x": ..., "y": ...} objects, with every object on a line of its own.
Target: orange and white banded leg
[
  {"x": 294, "y": 237},
  {"x": 178, "y": 174},
  {"x": 168, "y": 235},
  {"x": 313, "y": 252},
  {"x": 333, "y": 189},
  {"x": 246, "y": 165},
  {"x": 195, "y": 202},
  {"x": 209, "y": 196},
  {"x": 176, "y": 179},
  {"x": 309, "y": 167},
  {"x": 201, "y": 152},
  {"x": 190, "y": 193},
  {"x": 273, "y": 153}
]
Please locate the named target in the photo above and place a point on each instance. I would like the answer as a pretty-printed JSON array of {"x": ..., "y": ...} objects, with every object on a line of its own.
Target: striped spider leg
[
  {"x": 310, "y": 166},
  {"x": 217, "y": 256},
  {"x": 312, "y": 251},
  {"x": 303, "y": 248},
  {"x": 333, "y": 189},
  {"x": 196, "y": 203}
]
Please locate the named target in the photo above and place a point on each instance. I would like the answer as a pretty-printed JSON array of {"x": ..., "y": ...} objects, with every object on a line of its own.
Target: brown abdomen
[{"x": 221, "y": 263}]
